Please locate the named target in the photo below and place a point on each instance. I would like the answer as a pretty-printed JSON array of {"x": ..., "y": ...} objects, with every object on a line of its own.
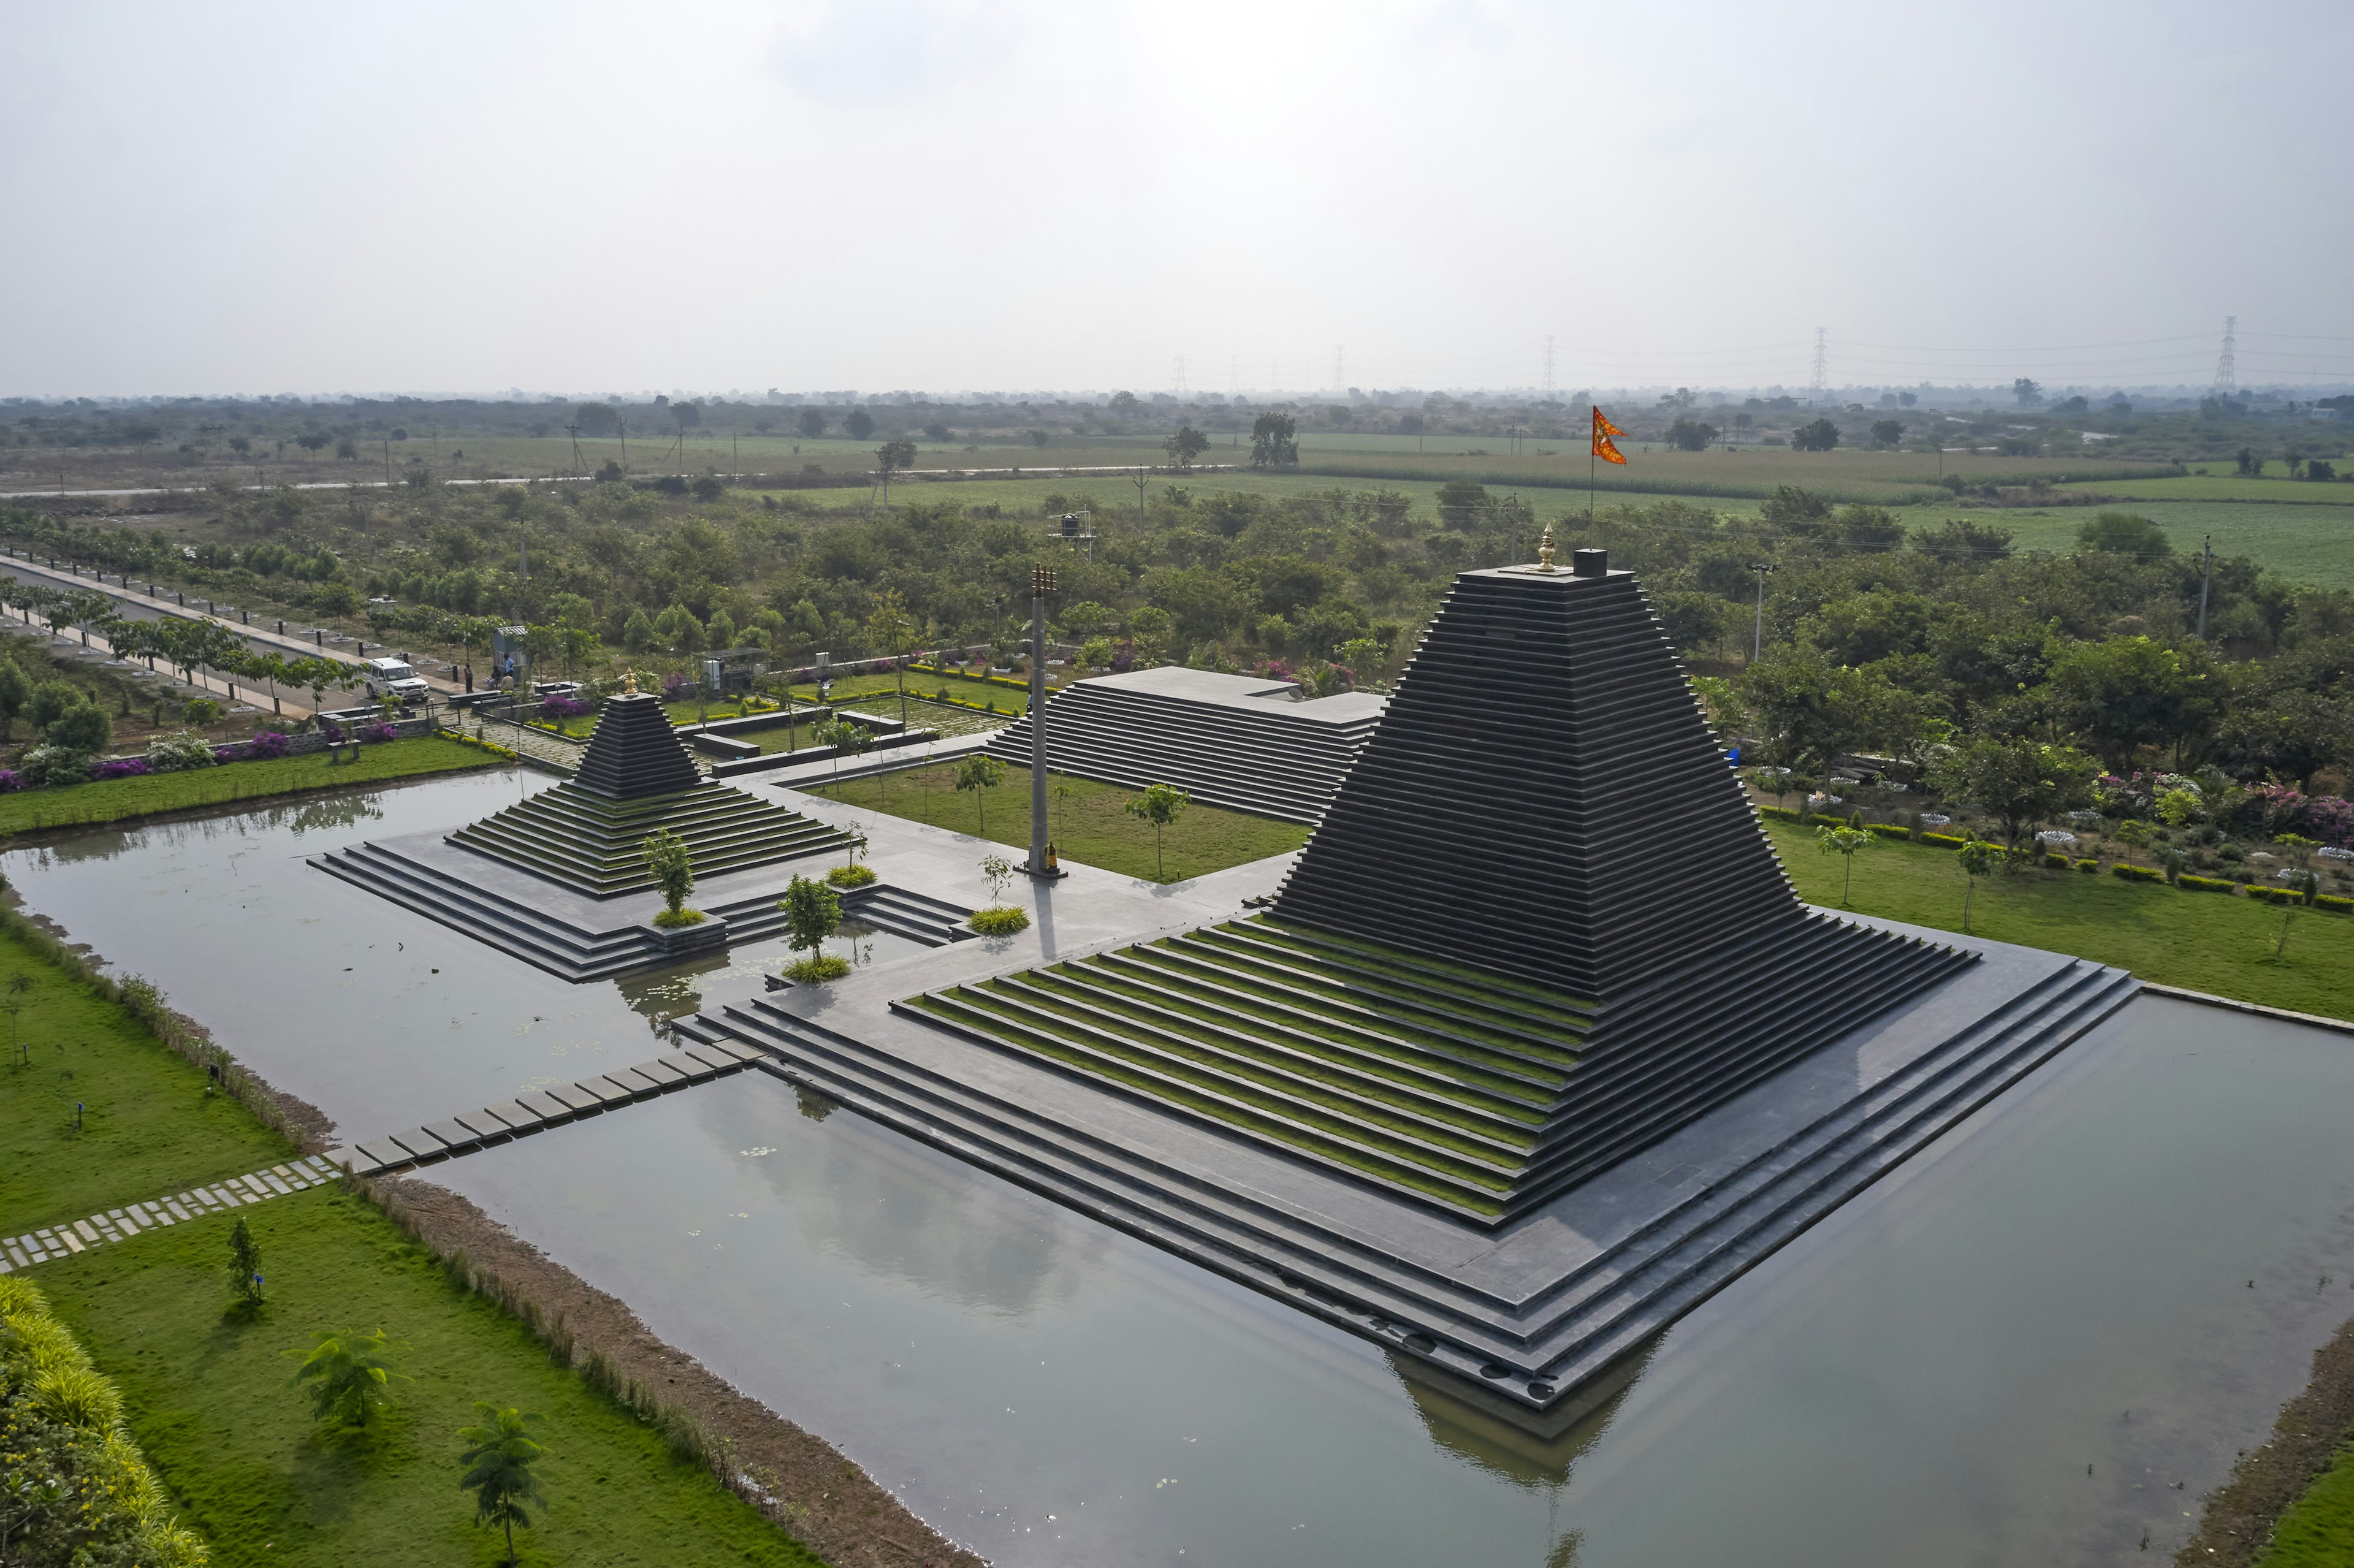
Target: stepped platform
[
  {"x": 1544, "y": 1308},
  {"x": 1445, "y": 1083},
  {"x": 587, "y": 833},
  {"x": 1229, "y": 740},
  {"x": 593, "y": 845},
  {"x": 582, "y": 938}
]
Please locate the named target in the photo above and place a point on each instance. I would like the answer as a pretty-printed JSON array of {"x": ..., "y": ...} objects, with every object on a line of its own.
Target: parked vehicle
[{"x": 393, "y": 678}]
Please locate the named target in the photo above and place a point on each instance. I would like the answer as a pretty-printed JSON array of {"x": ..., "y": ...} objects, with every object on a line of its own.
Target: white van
[{"x": 391, "y": 678}]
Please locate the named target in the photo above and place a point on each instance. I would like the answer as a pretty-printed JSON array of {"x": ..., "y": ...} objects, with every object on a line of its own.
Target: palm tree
[
  {"x": 350, "y": 1375},
  {"x": 498, "y": 1458}
]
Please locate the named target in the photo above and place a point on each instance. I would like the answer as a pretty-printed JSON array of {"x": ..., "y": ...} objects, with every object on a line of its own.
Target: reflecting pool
[{"x": 2103, "y": 1284}]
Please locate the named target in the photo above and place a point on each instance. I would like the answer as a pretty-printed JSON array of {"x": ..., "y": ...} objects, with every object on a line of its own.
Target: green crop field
[{"x": 2221, "y": 486}]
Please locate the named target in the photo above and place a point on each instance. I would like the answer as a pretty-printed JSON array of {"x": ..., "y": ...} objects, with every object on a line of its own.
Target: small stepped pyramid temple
[
  {"x": 1538, "y": 929},
  {"x": 635, "y": 776}
]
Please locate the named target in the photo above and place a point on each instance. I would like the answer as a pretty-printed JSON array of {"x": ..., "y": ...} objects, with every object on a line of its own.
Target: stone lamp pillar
[{"x": 1042, "y": 854}]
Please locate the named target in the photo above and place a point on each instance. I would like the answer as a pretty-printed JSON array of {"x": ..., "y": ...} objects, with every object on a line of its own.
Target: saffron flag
[{"x": 1603, "y": 430}]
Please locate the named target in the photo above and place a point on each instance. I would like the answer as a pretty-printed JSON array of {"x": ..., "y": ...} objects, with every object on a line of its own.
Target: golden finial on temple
[
  {"x": 1545, "y": 550},
  {"x": 629, "y": 684}
]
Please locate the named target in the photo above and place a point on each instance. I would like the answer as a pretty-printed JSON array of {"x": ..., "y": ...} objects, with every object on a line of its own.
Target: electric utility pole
[
  {"x": 1822, "y": 360},
  {"x": 2206, "y": 575},
  {"x": 1758, "y": 648}
]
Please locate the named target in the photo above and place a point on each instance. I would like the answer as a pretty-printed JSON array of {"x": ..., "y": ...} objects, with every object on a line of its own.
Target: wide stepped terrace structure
[
  {"x": 1229, "y": 740},
  {"x": 636, "y": 777},
  {"x": 1536, "y": 1049},
  {"x": 1538, "y": 929}
]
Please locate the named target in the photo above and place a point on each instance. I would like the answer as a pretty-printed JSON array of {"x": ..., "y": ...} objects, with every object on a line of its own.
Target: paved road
[
  {"x": 139, "y": 605},
  {"x": 1016, "y": 472}
]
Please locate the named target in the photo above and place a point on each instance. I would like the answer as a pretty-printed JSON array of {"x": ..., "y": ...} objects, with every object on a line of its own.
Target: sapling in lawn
[
  {"x": 350, "y": 1375},
  {"x": 1846, "y": 843},
  {"x": 1161, "y": 805},
  {"x": 244, "y": 1270},
  {"x": 497, "y": 1460},
  {"x": 980, "y": 773},
  {"x": 1976, "y": 858}
]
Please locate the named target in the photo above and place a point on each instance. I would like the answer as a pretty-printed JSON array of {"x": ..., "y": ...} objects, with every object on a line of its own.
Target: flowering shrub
[
  {"x": 9, "y": 781},
  {"x": 47, "y": 767},
  {"x": 1275, "y": 670},
  {"x": 677, "y": 688},
  {"x": 332, "y": 730},
  {"x": 2330, "y": 819},
  {"x": 378, "y": 732},
  {"x": 1123, "y": 658},
  {"x": 177, "y": 753},
  {"x": 269, "y": 743},
  {"x": 119, "y": 767},
  {"x": 559, "y": 708}
]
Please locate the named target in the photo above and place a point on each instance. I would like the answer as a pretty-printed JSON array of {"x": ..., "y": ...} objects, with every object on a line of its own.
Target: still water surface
[{"x": 2104, "y": 1284}]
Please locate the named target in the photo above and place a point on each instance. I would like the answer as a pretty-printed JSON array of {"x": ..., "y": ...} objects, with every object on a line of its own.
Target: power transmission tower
[
  {"x": 2227, "y": 370},
  {"x": 1548, "y": 366},
  {"x": 1822, "y": 359},
  {"x": 1180, "y": 376}
]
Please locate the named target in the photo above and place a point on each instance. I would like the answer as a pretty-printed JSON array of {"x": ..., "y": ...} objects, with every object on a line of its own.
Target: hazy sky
[{"x": 887, "y": 194}]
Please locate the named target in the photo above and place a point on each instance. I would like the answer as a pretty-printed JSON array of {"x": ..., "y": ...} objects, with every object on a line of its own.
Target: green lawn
[
  {"x": 147, "y": 1123},
  {"x": 2317, "y": 1530},
  {"x": 119, "y": 799},
  {"x": 208, "y": 1395},
  {"x": 2202, "y": 941},
  {"x": 1088, "y": 820},
  {"x": 210, "y": 1402}
]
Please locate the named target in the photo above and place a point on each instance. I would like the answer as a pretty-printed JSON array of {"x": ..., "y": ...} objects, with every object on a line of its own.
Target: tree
[
  {"x": 19, "y": 984},
  {"x": 1160, "y": 805},
  {"x": 980, "y": 773},
  {"x": 244, "y": 1269},
  {"x": 2027, "y": 392},
  {"x": 998, "y": 872},
  {"x": 1273, "y": 442},
  {"x": 891, "y": 631},
  {"x": 2125, "y": 533},
  {"x": 350, "y": 1375},
  {"x": 1186, "y": 445},
  {"x": 496, "y": 1462},
  {"x": 860, "y": 424},
  {"x": 311, "y": 442},
  {"x": 811, "y": 422},
  {"x": 597, "y": 419},
  {"x": 813, "y": 912},
  {"x": 83, "y": 728},
  {"x": 1976, "y": 858},
  {"x": 2017, "y": 780},
  {"x": 673, "y": 868},
  {"x": 1816, "y": 436},
  {"x": 1887, "y": 432},
  {"x": 1690, "y": 435},
  {"x": 894, "y": 455},
  {"x": 2124, "y": 692},
  {"x": 1846, "y": 843},
  {"x": 847, "y": 739},
  {"x": 15, "y": 690}
]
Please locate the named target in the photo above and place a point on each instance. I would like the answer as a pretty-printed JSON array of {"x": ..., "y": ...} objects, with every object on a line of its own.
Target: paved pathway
[
  {"x": 538, "y": 745},
  {"x": 52, "y": 1242}
]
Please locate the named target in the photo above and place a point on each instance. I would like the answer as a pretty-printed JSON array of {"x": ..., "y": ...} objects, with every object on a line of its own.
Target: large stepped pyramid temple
[
  {"x": 1538, "y": 931},
  {"x": 635, "y": 776}
]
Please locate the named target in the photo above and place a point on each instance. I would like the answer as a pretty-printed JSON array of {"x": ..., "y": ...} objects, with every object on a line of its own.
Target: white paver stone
[
  {"x": 178, "y": 1212},
  {"x": 16, "y": 1255},
  {"x": 73, "y": 1243},
  {"x": 283, "y": 1188},
  {"x": 88, "y": 1232}
]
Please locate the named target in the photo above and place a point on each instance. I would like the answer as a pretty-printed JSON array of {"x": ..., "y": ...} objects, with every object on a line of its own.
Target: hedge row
[{"x": 79, "y": 1489}]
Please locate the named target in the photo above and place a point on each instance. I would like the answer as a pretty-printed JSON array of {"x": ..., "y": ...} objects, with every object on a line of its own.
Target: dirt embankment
[{"x": 2237, "y": 1521}]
